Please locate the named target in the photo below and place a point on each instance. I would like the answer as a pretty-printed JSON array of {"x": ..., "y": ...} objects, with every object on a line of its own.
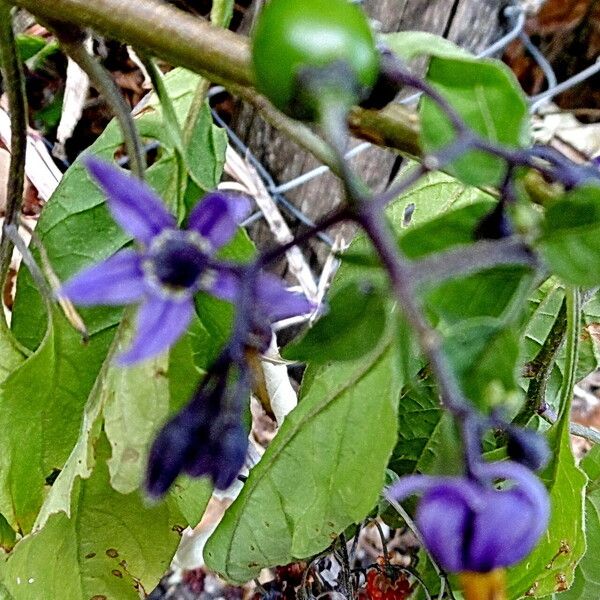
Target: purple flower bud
[
  {"x": 528, "y": 448},
  {"x": 206, "y": 438},
  {"x": 221, "y": 457},
  {"x": 470, "y": 525}
]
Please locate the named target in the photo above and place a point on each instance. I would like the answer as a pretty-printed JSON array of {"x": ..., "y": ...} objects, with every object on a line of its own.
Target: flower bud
[{"x": 528, "y": 448}]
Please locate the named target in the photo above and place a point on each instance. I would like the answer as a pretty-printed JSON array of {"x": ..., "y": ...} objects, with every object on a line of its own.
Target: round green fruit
[{"x": 294, "y": 38}]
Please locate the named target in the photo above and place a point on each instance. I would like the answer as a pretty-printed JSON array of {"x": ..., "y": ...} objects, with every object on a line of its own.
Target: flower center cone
[{"x": 484, "y": 586}]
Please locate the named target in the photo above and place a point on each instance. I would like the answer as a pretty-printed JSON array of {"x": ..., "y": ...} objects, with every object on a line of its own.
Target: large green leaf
[
  {"x": 587, "y": 574},
  {"x": 353, "y": 327},
  {"x": 570, "y": 241},
  {"x": 112, "y": 546},
  {"x": 483, "y": 353},
  {"x": 487, "y": 96},
  {"x": 40, "y": 406},
  {"x": 323, "y": 471}
]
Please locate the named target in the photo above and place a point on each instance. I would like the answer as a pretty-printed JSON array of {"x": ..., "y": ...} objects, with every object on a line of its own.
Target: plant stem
[
  {"x": 399, "y": 272},
  {"x": 72, "y": 42},
  {"x": 161, "y": 30},
  {"x": 476, "y": 257},
  {"x": 14, "y": 83},
  {"x": 588, "y": 433},
  {"x": 542, "y": 366}
]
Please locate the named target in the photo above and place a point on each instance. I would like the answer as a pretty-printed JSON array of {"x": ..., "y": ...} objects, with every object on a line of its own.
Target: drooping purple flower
[
  {"x": 470, "y": 525},
  {"x": 205, "y": 439},
  {"x": 170, "y": 264}
]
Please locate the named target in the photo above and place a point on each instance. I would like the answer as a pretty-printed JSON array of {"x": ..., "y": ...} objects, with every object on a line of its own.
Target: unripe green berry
[{"x": 294, "y": 38}]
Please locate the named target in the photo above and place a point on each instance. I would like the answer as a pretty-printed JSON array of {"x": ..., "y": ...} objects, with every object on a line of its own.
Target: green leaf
[
  {"x": 8, "y": 536},
  {"x": 487, "y": 96},
  {"x": 137, "y": 403},
  {"x": 483, "y": 353},
  {"x": 412, "y": 44},
  {"x": 353, "y": 326},
  {"x": 55, "y": 380},
  {"x": 341, "y": 435},
  {"x": 570, "y": 240},
  {"x": 587, "y": 573},
  {"x": 112, "y": 546},
  {"x": 11, "y": 354},
  {"x": 550, "y": 567},
  {"x": 191, "y": 497},
  {"x": 433, "y": 195},
  {"x": 206, "y": 152}
]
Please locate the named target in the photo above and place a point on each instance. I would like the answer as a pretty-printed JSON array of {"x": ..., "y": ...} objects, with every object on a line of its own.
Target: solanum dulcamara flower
[
  {"x": 472, "y": 526},
  {"x": 170, "y": 265}
]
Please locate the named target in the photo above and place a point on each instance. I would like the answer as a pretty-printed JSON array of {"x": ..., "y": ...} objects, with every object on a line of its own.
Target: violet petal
[
  {"x": 494, "y": 542},
  {"x": 160, "y": 323},
  {"x": 225, "y": 286},
  {"x": 443, "y": 519},
  {"x": 217, "y": 216},
  {"x": 279, "y": 303},
  {"x": 132, "y": 203},
  {"x": 117, "y": 280}
]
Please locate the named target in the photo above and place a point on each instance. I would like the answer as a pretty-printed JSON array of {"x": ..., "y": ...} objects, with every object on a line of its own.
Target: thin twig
[
  {"x": 14, "y": 83},
  {"x": 541, "y": 368},
  {"x": 473, "y": 258},
  {"x": 72, "y": 41},
  {"x": 588, "y": 433}
]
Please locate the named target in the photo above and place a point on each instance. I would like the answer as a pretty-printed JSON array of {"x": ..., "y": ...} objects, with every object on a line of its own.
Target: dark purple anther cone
[
  {"x": 469, "y": 525},
  {"x": 170, "y": 264}
]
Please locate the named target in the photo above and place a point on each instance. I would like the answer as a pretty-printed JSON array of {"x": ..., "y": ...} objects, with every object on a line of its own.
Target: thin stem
[
  {"x": 335, "y": 217},
  {"x": 195, "y": 109},
  {"x": 12, "y": 233},
  {"x": 295, "y": 130},
  {"x": 333, "y": 121},
  {"x": 14, "y": 83},
  {"x": 399, "y": 272},
  {"x": 588, "y": 433},
  {"x": 71, "y": 41},
  {"x": 476, "y": 257}
]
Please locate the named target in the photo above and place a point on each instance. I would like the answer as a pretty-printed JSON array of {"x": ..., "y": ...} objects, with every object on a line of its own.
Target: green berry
[{"x": 296, "y": 38}]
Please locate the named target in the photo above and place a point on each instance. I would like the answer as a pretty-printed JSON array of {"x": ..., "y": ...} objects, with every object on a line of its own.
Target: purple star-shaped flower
[
  {"x": 170, "y": 264},
  {"x": 468, "y": 525}
]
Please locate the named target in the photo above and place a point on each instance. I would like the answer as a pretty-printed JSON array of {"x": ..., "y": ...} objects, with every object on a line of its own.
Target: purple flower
[
  {"x": 469, "y": 525},
  {"x": 170, "y": 264},
  {"x": 205, "y": 438}
]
